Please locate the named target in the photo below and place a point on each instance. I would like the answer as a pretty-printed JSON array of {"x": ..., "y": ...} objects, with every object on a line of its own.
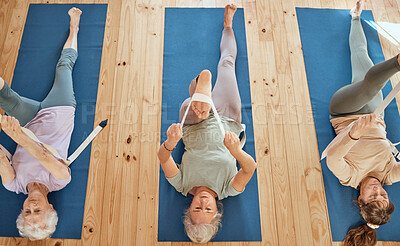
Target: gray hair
[
  {"x": 202, "y": 233},
  {"x": 34, "y": 232}
]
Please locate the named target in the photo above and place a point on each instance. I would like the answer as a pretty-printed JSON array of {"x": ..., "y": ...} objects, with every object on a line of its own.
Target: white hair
[
  {"x": 201, "y": 233},
  {"x": 34, "y": 232}
]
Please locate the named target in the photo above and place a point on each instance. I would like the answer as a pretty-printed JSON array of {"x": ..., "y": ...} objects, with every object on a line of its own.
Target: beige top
[{"x": 371, "y": 155}]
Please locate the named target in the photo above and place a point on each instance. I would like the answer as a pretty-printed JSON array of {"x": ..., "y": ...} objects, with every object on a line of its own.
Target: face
[
  {"x": 371, "y": 190},
  {"x": 35, "y": 208},
  {"x": 203, "y": 208}
]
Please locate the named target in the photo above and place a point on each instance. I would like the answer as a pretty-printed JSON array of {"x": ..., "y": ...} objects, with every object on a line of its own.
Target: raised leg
[
  {"x": 360, "y": 61},
  {"x": 62, "y": 92},
  {"x": 364, "y": 95},
  {"x": 225, "y": 94}
]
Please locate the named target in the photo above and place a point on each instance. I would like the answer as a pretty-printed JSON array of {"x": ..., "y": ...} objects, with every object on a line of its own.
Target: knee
[
  {"x": 227, "y": 61},
  {"x": 67, "y": 59},
  {"x": 65, "y": 63}
]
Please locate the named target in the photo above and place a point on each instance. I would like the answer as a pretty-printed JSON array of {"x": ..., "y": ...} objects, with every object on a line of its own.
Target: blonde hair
[
  {"x": 34, "y": 232},
  {"x": 202, "y": 233}
]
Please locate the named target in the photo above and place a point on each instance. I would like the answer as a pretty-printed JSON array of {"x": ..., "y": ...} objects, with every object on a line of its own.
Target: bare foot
[
  {"x": 230, "y": 10},
  {"x": 75, "y": 15},
  {"x": 356, "y": 11},
  {"x": 203, "y": 86}
]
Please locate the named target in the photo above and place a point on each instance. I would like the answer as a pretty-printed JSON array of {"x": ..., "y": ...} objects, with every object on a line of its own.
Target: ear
[
  {"x": 359, "y": 201},
  {"x": 51, "y": 206}
]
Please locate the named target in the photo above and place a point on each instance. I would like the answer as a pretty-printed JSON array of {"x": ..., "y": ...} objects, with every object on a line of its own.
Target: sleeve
[
  {"x": 177, "y": 181},
  {"x": 335, "y": 158},
  {"x": 340, "y": 169},
  {"x": 12, "y": 185},
  {"x": 58, "y": 184},
  {"x": 230, "y": 191},
  {"x": 394, "y": 175}
]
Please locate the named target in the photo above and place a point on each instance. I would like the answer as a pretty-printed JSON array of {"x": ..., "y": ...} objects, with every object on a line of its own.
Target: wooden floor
[{"x": 122, "y": 193}]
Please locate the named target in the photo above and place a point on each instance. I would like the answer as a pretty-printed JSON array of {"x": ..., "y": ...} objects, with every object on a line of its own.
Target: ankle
[
  {"x": 73, "y": 29},
  {"x": 228, "y": 25}
]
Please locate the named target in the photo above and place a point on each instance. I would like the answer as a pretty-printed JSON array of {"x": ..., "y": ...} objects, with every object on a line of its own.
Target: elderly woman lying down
[
  {"x": 34, "y": 171},
  {"x": 208, "y": 170}
]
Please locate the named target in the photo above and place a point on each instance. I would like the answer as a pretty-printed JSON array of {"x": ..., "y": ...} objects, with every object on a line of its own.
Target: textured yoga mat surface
[
  {"x": 325, "y": 40},
  {"x": 187, "y": 51},
  {"x": 46, "y": 30}
]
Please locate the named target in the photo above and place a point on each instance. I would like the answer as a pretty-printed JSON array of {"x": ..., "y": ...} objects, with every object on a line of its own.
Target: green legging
[
  {"x": 364, "y": 93},
  {"x": 61, "y": 94}
]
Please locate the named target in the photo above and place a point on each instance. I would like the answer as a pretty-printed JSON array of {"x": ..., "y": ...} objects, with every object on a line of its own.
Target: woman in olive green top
[{"x": 208, "y": 170}]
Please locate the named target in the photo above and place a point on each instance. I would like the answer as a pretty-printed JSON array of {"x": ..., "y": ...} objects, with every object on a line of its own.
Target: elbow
[
  {"x": 254, "y": 166},
  {"x": 159, "y": 155},
  {"x": 251, "y": 168}
]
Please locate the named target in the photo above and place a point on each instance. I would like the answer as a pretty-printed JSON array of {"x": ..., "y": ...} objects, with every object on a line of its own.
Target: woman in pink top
[
  {"x": 361, "y": 156},
  {"x": 34, "y": 171}
]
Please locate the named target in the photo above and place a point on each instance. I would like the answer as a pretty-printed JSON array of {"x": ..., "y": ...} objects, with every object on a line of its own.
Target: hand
[
  {"x": 232, "y": 142},
  {"x": 3, "y": 158},
  {"x": 362, "y": 124},
  {"x": 11, "y": 127},
  {"x": 174, "y": 134}
]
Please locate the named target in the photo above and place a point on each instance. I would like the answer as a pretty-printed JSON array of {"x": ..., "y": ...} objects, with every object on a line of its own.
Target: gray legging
[
  {"x": 364, "y": 93},
  {"x": 225, "y": 94},
  {"x": 61, "y": 94}
]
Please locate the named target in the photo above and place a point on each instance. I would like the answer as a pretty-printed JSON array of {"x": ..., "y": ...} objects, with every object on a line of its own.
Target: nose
[
  {"x": 203, "y": 200},
  {"x": 32, "y": 204}
]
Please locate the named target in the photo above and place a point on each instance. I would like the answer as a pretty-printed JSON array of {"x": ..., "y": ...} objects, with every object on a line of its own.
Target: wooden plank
[
  {"x": 307, "y": 177},
  {"x": 6, "y": 7},
  {"x": 149, "y": 57},
  {"x": 118, "y": 226},
  {"x": 276, "y": 131},
  {"x": 9, "y": 53},
  {"x": 91, "y": 229},
  {"x": 257, "y": 72},
  {"x": 327, "y": 4},
  {"x": 304, "y": 204}
]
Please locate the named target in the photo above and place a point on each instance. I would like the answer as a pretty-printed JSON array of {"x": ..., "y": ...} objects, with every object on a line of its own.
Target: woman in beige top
[{"x": 360, "y": 156}]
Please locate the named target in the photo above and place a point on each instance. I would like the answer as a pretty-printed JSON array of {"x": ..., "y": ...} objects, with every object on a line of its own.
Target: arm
[
  {"x": 7, "y": 172},
  {"x": 343, "y": 142},
  {"x": 168, "y": 164},
  {"x": 11, "y": 126},
  {"x": 246, "y": 162}
]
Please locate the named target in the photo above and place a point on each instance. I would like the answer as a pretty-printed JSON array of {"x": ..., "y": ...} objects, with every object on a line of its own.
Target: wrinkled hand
[
  {"x": 11, "y": 127},
  {"x": 174, "y": 134},
  {"x": 232, "y": 142},
  {"x": 363, "y": 124}
]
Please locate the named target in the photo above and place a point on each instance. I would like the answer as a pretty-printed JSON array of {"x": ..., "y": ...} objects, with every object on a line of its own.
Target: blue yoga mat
[
  {"x": 188, "y": 49},
  {"x": 46, "y": 30},
  {"x": 325, "y": 40}
]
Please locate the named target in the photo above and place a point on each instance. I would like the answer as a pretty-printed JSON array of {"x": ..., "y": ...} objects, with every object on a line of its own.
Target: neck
[
  {"x": 203, "y": 188},
  {"x": 37, "y": 187}
]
